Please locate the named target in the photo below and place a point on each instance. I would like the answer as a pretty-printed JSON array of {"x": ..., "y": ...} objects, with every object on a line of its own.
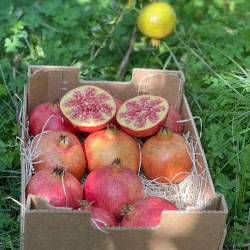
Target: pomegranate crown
[
  {"x": 164, "y": 133},
  {"x": 117, "y": 162},
  {"x": 56, "y": 102},
  {"x": 85, "y": 203},
  {"x": 111, "y": 126},
  {"x": 58, "y": 171},
  {"x": 126, "y": 209}
]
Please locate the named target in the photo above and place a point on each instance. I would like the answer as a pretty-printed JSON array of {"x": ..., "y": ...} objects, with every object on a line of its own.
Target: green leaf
[
  {"x": 115, "y": 5},
  {"x": 12, "y": 44},
  {"x": 3, "y": 90},
  {"x": 222, "y": 181}
]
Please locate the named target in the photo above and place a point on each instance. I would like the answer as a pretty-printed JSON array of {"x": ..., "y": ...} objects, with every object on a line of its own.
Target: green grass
[{"x": 210, "y": 45}]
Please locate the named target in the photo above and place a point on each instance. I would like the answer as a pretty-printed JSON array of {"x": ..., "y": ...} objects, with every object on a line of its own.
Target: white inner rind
[
  {"x": 91, "y": 122},
  {"x": 148, "y": 124}
]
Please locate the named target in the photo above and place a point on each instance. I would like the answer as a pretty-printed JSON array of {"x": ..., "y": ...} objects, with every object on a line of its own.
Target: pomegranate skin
[
  {"x": 48, "y": 184},
  {"x": 40, "y": 115},
  {"x": 102, "y": 217},
  {"x": 172, "y": 117},
  {"x": 111, "y": 186},
  {"x": 146, "y": 212},
  {"x": 144, "y": 133},
  {"x": 103, "y": 145},
  {"x": 59, "y": 147},
  {"x": 166, "y": 155}
]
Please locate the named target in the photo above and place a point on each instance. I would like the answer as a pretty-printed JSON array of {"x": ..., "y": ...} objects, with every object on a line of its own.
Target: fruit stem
[
  {"x": 164, "y": 133},
  {"x": 155, "y": 42},
  {"x": 63, "y": 141}
]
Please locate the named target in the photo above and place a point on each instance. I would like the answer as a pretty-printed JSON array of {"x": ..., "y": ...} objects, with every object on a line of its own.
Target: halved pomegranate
[
  {"x": 142, "y": 115},
  {"x": 88, "y": 108}
]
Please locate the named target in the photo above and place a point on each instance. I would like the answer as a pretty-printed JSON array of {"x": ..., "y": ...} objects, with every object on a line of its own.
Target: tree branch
[
  {"x": 105, "y": 40},
  {"x": 121, "y": 70}
]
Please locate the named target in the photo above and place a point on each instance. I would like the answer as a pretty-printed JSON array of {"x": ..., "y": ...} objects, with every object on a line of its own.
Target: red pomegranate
[
  {"x": 166, "y": 155},
  {"x": 172, "y": 123},
  {"x": 142, "y": 115},
  {"x": 51, "y": 113},
  {"x": 58, "y": 187},
  {"x": 145, "y": 212},
  {"x": 103, "y": 145},
  {"x": 59, "y": 147},
  {"x": 111, "y": 186},
  {"x": 99, "y": 216},
  {"x": 88, "y": 108},
  {"x": 118, "y": 105}
]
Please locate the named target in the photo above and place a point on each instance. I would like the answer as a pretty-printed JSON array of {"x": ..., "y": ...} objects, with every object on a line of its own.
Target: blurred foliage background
[{"x": 210, "y": 45}]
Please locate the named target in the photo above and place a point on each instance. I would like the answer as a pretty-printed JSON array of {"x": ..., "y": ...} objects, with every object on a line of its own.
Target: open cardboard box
[{"x": 46, "y": 227}]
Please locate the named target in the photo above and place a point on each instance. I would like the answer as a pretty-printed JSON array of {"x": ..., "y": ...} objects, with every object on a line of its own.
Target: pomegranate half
[
  {"x": 142, "y": 115},
  {"x": 166, "y": 155},
  {"x": 103, "y": 145},
  {"x": 145, "y": 212},
  {"x": 88, "y": 108},
  {"x": 111, "y": 186},
  {"x": 48, "y": 112},
  {"x": 59, "y": 147},
  {"x": 58, "y": 187},
  {"x": 99, "y": 216}
]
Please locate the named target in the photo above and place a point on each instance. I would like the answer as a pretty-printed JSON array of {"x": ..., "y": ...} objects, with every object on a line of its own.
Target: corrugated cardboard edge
[{"x": 23, "y": 138}]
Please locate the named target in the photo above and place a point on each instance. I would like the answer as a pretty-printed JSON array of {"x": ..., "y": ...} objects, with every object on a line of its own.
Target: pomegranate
[
  {"x": 172, "y": 123},
  {"x": 88, "y": 108},
  {"x": 58, "y": 187},
  {"x": 157, "y": 20},
  {"x": 118, "y": 105},
  {"x": 111, "y": 186},
  {"x": 103, "y": 145},
  {"x": 142, "y": 115},
  {"x": 40, "y": 115},
  {"x": 100, "y": 216},
  {"x": 145, "y": 212},
  {"x": 59, "y": 147},
  {"x": 166, "y": 155}
]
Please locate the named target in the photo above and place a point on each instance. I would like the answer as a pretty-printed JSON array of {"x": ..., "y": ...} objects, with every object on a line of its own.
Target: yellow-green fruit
[{"x": 157, "y": 20}]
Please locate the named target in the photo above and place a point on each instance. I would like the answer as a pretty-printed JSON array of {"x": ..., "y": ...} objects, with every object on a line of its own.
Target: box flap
[
  {"x": 46, "y": 83},
  {"x": 191, "y": 230}
]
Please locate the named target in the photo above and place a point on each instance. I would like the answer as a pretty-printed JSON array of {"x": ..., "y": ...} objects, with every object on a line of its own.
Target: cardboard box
[{"x": 45, "y": 227}]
